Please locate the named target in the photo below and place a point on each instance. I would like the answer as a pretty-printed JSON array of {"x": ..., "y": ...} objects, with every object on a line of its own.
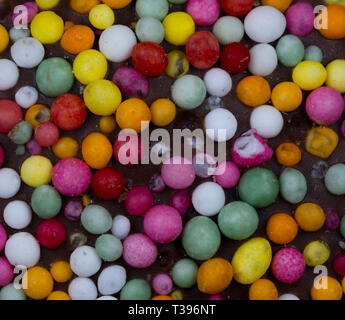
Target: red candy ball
[
  {"x": 237, "y": 8},
  {"x": 51, "y": 233},
  {"x": 128, "y": 150},
  {"x": 47, "y": 134},
  {"x": 107, "y": 184},
  {"x": 202, "y": 49},
  {"x": 10, "y": 115},
  {"x": 339, "y": 263},
  {"x": 149, "y": 58},
  {"x": 235, "y": 57},
  {"x": 139, "y": 200}
]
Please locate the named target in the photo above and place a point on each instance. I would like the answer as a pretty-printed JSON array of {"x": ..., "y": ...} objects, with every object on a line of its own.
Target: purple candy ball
[
  {"x": 139, "y": 200},
  {"x": 203, "y": 12},
  {"x": 3, "y": 237},
  {"x": 73, "y": 210},
  {"x": 300, "y": 19},
  {"x": 2, "y": 156},
  {"x": 156, "y": 183},
  {"x": 181, "y": 201},
  {"x": 227, "y": 174},
  {"x": 6, "y": 272},
  {"x": 332, "y": 219},
  {"x": 162, "y": 284},
  {"x": 24, "y": 13},
  {"x": 34, "y": 147}
]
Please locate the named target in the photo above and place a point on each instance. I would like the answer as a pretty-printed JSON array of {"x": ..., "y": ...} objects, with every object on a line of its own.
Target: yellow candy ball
[
  {"x": 179, "y": 26},
  {"x": 39, "y": 283},
  {"x": 47, "y": 4},
  {"x": 90, "y": 65},
  {"x": 59, "y": 295},
  {"x": 343, "y": 283},
  {"x": 36, "y": 171},
  {"x": 336, "y": 75},
  {"x": 163, "y": 112},
  {"x": 309, "y": 75},
  {"x": 4, "y": 38},
  {"x": 102, "y": 97},
  {"x": 61, "y": 271},
  {"x": 316, "y": 253},
  {"x": 101, "y": 16},
  {"x": 107, "y": 124},
  {"x": 47, "y": 27}
]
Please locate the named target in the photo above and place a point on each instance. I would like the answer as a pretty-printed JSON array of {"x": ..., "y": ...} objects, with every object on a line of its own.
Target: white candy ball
[
  {"x": 263, "y": 60},
  {"x": 84, "y": 261},
  {"x": 27, "y": 52},
  {"x": 117, "y": 42},
  {"x": 106, "y": 298},
  {"x": 111, "y": 280},
  {"x": 17, "y": 214},
  {"x": 208, "y": 198},
  {"x": 82, "y": 289},
  {"x": 9, "y": 183},
  {"x": 264, "y": 24},
  {"x": 218, "y": 82},
  {"x": 26, "y": 96},
  {"x": 16, "y": 34},
  {"x": 219, "y": 120},
  {"x": 288, "y": 296},
  {"x": 9, "y": 74},
  {"x": 267, "y": 120},
  {"x": 228, "y": 29},
  {"x": 121, "y": 227},
  {"x": 22, "y": 249}
]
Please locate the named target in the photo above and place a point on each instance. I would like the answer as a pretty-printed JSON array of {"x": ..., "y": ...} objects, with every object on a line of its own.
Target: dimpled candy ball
[
  {"x": 288, "y": 265},
  {"x": 335, "y": 179},
  {"x": 263, "y": 60},
  {"x": 9, "y": 183},
  {"x": 227, "y": 174},
  {"x": 139, "y": 251},
  {"x": 162, "y": 284},
  {"x": 6, "y": 274},
  {"x": 111, "y": 280},
  {"x": 136, "y": 289},
  {"x": 51, "y": 233},
  {"x": 208, "y": 198},
  {"x": 149, "y": 29},
  {"x": 188, "y": 92},
  {"x": 17, "y": 214},
  {"x": 313, "y": 53},
  {"x": 139, "y": 200},
  {"x": 26, "y": 97},
  {"x": 108, "y": 247},
  {"x": 218, "y": 82},
  {"x": 264, "y": 24},
  {"x": 325, "y": 106},
  {"x": 84, "y": 261},
  {"x": 117, "y": 42},
  {"x": 184, "y": 273},
  {"x": 71, "y": 177},
  {"x": 203, "y": 12},
  {"x": 9, "y": 74},
  {"x": 27, "y": 52},
  {"x": 9, "y": 292},
  {"x": 3, "y": 237},
  {"x": 121, "y": 227},
  {"x": 46, "y": 202},
  {"x": 82, "y": 288},
  {"x": 96, "y": 219},
  {"x": 300, "y": 19},
  {"x": 201, "y": 238},
  {"x": 228, "y": 29},
  {"x": 22, "y": 249},
  {"x": 290, "y": 50}
]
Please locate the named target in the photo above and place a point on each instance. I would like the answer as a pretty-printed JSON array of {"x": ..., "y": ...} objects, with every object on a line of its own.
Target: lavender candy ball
[
  {"x": 162, "y": 284},
  {"x": 34, "y": 147},
  {"x": 121, "y": 227},
  {"x": 111, "y": 280},
  {"x": 332, "y": 219},
  {"x": 73, "y": 210},
  {"x": 203, "y": 12},
  {"x": 300, "y": 19},
  {"x": 131, "y": 82}
]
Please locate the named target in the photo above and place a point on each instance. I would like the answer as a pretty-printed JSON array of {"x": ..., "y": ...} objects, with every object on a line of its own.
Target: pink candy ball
[
  {"x": 325, "y": 106},
  {"x": 203, "y": 12},
  {"x": 227, "y": 174},
  {"x": 6, "y": 272},
  {"x": 288, "y": 265},
  {"x": 162, "y": 284},
  {"x": 300, "y": 19},
  {"x": 163, "y": 224},
  {"x": 71, "y": 177},
  {"x": 2, "y": 156},
  {"x": 3, "y": 237},
  {"x": 139, "y": 251},
  {"x": 139, "y": 200},
  {"x": 18, "y": 12},
  {"x": 178, "y": 173}
]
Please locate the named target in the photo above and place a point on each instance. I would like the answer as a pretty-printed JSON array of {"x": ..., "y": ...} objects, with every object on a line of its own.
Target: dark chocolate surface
[{"x": 295, "y": 129}]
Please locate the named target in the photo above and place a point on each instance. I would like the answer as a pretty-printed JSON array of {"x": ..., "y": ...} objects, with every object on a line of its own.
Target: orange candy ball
[
  {"x": 66, "y": 147},
  {"x": 310, "y": 217},
  {"x": 117, "y": 4},
  {"x": 39, "y": 283},
  {"x": 336, "y": 22},
  {"x": 59, "y": 295},
  {"x": 281, "y": 228},
  {"x": 333, "y": 291},
  {"x": 263, "y": 289},
  {"x": 77, "y": 39},
  {"x": 287, "y": 96},
  {"x": 83, "y": 6},
  {"x": 288, "y": 154},
  {"x": 253, "y": 91},
  {"x": 107, "y": 124},
  {"x": 36, "y": 114},
  {"x": 61, "y": 271},
  {"x": 162, "y": 297}
]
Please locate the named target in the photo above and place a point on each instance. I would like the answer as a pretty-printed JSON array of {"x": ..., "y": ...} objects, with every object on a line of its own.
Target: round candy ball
[
  {"x": 139, "y": 251},
  {"x": 2, "y": 156},
  {"x": 27, "y": 52},
  {"x": 17, "y": 214},
  {"x": 3, "y": 237},
  {"x": 184, "y": 273},
  {"x": 288, "y": 296},
  {"x": 96, "y": 219},
  {"x": 238, "y": 220},
  {"x": 152, "y": 8},
  {"x": 47, "y": 134},
  {"x": 218, "y": 82},
  {"x": 6, "y": 274},
  {"x": 111, "y": 280},
  {"x": 264, "y": 24},
  {"x": 82, "y": 288},
  {"x": 46, "y": 202},
  {"x": 128, "y": 149},
  {"x": 9, "y": 74},
  {"x": 107, "y": 184},
  {"x": 10, "y": 115},
  {"x": 121, "y": 227},
  {"x": 178, "y": 26},
  {"x": 73, "y": 210},
  {"x": 237, "y": 8},
  {"x": 290, "y": 50},
  {"x": 16, "y": 34},
  {"x": 335, "y": 75},
  {"x": 181, "y": 201},
  {"x": 84, "y": 261},
  {"x": 316, "y": 253},
  {"x": 101, "y": 16},
  {"x": 36, "y": 171},
  {"x": 334, "y": 179},
  {"x": 309, "y": 75},
  {"x": 162, "y": 284},
  {"x": 313, "y": 53},
  {"x": 203, "y": 12},
  {"x": 263, "y": 60},
  {"x": 9, "y": 292},
  {"x": 332, "y": 219},
  {"x": 162, "y": 223},
  {"x": 201, "y": 238},
  {"x": 227, "y": 174},
  {"x": 339, "y": 263},
  {"x": 21, "y": 133},
  {"x": 325, "y": 106},
  {"x": 22, "y": 249},
  {"x": 9, "y": 183},
  {"x": 51, "y": 233},
  {"x": 26, "y": 97},
  {"x": 228, "y": 29},
  {"x": 293, "y": 185},
  {"x": 136, "y": 289},
  {"x": 32, "y": 10},
  {"x": 149, "y": 29},
  {"x": 108, "y": 247},
  {"x": 139, "y": 200},
  {"x": 71, "y": 177},
  {"x": 300, "y": 19},
  {"x": 235, "y": 57},
  {"x": 288, "y": 265}
]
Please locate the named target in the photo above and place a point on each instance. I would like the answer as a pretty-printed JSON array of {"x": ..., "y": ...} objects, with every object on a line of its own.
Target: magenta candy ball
[
  {"x": 163, "y": 224},
  {"x": 3, "y": 237},
  {"x": 181, "y": 201},
  {"x": 6, "y": 272},
  {"x": 300, "y": 19},
  {"x": 227, "y": 174},
  {"x": 332, "y": 219},
  {"x": 216, "y": 296},
  {"x": 162, "y": 284},
  {"x": 71, "y": 177},
  {"x": 325, "y": 106},
  {"x": 32, "y": 10},
  {"x": 139, "y": 251},
  {"x": 203, "y": 12},
  {"x": 288, "y": 265},
  {"x": 339, "y": 263},
  {"x": 178, "y": 173},
  {"x": 2, "y": 156},
  {"x": 139, "y": 200}
]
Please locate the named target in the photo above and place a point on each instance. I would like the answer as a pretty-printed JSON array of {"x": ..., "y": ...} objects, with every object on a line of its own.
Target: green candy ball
[
  {"x": 259, "y": 187},
  {"x": 21, "y": 132},
  {"x": 188, "y": 92},
  {"x": 290, "y": 50},
  {"x": 342, "y": 226},
  {"x": 136, "y": 289},
  {"x": 152, "y": 8},
  {"x": 46, "y": 202},
  {"x": 313, "y": 53},
  {"x": 184, "y": 273},
  {"x": 149, "y": 29},
  {"x": 9, "y": 292},
  {"x": 108, "y": 247},
  {"x": 238, "y": 220},
  {"x": 201, "y": 238},
  {"x": 335, "y": 179},
  {"x": 178, "y": 1},
  {"x": 293, "y": 185},
  {"x": 96, "y": 219},
  {"x": 54, "y": 77}
]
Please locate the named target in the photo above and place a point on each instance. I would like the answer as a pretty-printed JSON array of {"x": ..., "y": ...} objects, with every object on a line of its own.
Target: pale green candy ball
[
  {"x": 136, "y": 289},
  {"x": 149, "y": 29},
  {"x": 293, "y": 185},
  {"x": 9, "y": 292},
  {"x": 177, "y": 1},
  {"x": 108, "y": 247},
  {"x": 46, "y": 202},
  {"x": 335, "y": 179},
  {"x": 313, "y": 53},
  {"x": 17, "y": 34},
  {"x": 184, "y": 273},
  {"x": 96, "y": 219},
  {"x": 228, "y": 29},
  {"x": 152, "y": 8},
  {"x": 290, "y": 50}
]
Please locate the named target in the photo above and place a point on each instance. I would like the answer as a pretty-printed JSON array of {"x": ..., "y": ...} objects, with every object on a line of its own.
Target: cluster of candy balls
[{"x": 33, "y": 126}]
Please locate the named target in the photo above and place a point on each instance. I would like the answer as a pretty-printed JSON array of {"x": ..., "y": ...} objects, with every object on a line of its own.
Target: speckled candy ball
[
  {"x": 300, "y": 18},
  {"x": 108, "y": 247},
  {"x": 84, "y": 261},
  {"x": 139, "y": 200},
  {"x": 46, "y": 202},
  {"x": 27, "y": 52},
  {"x": 6, "y": 274},
  {"x": 149, "y": 29},
  {"x": 96, "y": 219},
  {"x": 162, "y": 284},
  {"x": 290, "y": 50},
  {"x": 203, "y": 12},
  {"x": 332, "y": 219},
  {"x": 82, "y": 288}
]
